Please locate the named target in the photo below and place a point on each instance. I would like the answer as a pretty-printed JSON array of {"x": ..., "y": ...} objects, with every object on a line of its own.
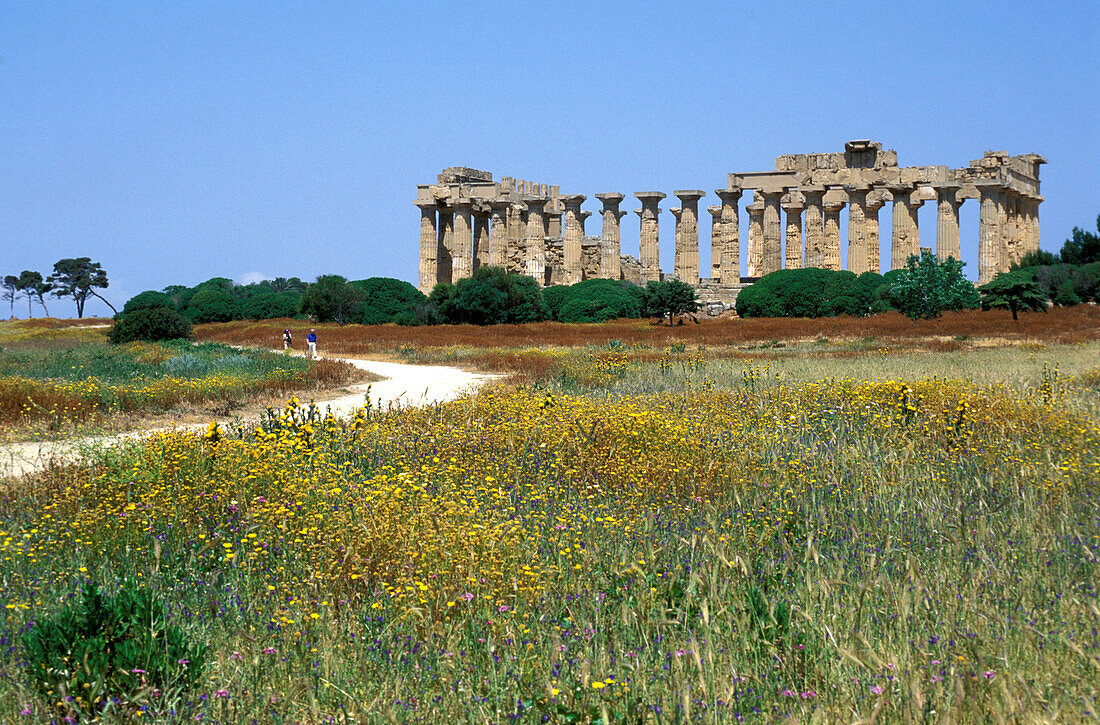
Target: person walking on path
[
  {"x": 311, "y": 342},
  {"x": 286, "y": 339}
]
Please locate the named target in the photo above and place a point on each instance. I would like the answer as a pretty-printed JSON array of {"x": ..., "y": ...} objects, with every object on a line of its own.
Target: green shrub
[
  {"x": 384, "y": 298},
  {"x": 150, "y": 324},
  {"x": 269, "y": 305},
  {"x": 929, "y": 286},
  {"x": 332, "y": 299},
  {"x": 110, "y": 647},
  {"x": 599, "y": 300},
  {"x": 554, "y": 297},
  {"x": 1086, "y": 282},
  {"x": 211, "y": 304},
  {"x": 491, "y": 296},
  {"x": 148, "y": 300}
]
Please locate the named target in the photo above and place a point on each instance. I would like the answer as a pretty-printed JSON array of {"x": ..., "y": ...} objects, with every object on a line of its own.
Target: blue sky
[{"x": 174, "y": 142}]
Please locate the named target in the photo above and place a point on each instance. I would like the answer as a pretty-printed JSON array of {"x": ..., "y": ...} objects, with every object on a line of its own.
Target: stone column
[
  {"x": 730, "y": 252},
  {"x": 875, "y": 201},
  {"x": 534, "y": 259},
  {"x": 756, "y": 235},
  {"x": 793, "y": 204},
  {"x": 554, "y": 212},
  {"x": 771, "y": 253},
  {"x": 687, "y": 235},
  {"x": 429, "y": 242},
  {"x": 830, "y": 249},
  {"x": 650, "y": 233},
  {"x": 481, "y": 235},
  {"x": 715, "y": 242},
  {"x": 611, "y": 236},
  {"x": 445, "y": 244},
  {"x": 1033, "y": 223},
  {"x": 573, "y": 235},
  {"x": 815, "y": 233},
  {"x": 947, "y": 221},
  {"x": 857, "y": 227},
  {"x": 905, "y": 236},
  {"x": 462, "y": 251},
  {"x": 498, "y": 232},
  {"x": 989, "y": 232}
]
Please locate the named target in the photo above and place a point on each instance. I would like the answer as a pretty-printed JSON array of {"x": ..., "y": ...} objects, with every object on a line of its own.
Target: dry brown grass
[{"x": 1060, "y": 325}]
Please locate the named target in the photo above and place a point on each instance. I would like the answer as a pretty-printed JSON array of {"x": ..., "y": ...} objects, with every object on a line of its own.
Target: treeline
[
  {"x": 1070, "y": 277},
  {"x": 491, "y": 296}
]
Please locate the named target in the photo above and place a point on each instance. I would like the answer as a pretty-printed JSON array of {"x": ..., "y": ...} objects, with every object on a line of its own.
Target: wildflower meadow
[{"x": 643, "y": 536}]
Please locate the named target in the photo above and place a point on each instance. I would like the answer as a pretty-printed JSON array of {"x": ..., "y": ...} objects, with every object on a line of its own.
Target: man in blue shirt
[{"x": 311, "y": 341}]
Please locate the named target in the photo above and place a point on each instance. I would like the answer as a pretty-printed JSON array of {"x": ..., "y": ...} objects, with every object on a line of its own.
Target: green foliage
[
  {"x": 267, "y": 305},
  {"x": 150, "y": 324},
  {"x": 671, "y": 298},
  {"x": 33, "y": 287},
  {"x": 9, "y": 289},
  {"x": 1083, "y": 247},
  {"x": 384, "y": 298},
  {"x": 929, "y": 286},
  {"x": 1065, "y": 295},
  {"x": 211, "y": 304},
  {"x": 110, "y": 647},
  {"x": 813, "y": 292},
  {"x": 491, "y": 296},
  {"x": 598, "y": 300},
  {"x": 1014, "y": 291},
  {"x": 332, "y": 299},
  {"x": 554, "y": 297},
  {"x": 78, "y": 278},
  {"x": 1036, "y": 258},
  {"x": 148, "y": 300},
  {"x": 1086, "y": 282}
]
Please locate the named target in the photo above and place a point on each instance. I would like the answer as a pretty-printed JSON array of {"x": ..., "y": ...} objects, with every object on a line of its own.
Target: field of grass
[
  {"x": 818, "y": 532},
  {"x": 55, "y": 376},
  {"x": 952, "y": 331}
]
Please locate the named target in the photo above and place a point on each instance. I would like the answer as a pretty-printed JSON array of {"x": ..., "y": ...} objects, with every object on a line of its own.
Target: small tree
[
  {"x": 1036, "y": 258},
  {"x": 1083, "y": 247},
  {"x": 78, "y": 278},
  {"x": 1015, "y": 291},
  {"x": 211, "y": 304},
  {"x": 332, "y": 299},
  {"x": 151, "y": 324},
  {"x": 929, "y": 286},
  {"x": 9, "y": 290},
  {"x": 672, "y": 298}
]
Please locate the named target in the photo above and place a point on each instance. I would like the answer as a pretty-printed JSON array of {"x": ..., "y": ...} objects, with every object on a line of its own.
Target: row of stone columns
[{"x": 457, "y": 238}]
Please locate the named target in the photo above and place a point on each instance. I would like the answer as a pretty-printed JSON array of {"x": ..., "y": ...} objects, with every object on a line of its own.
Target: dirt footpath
[{"x": 403, "y": 386}]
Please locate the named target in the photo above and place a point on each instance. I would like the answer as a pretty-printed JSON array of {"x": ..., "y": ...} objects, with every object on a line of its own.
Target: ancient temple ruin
[{"x": 468, "y": 220}]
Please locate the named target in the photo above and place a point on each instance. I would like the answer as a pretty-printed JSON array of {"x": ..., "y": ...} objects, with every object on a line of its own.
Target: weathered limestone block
[
  {"x": 481, "y": 235},
  {"x": 498, "y": 232}
]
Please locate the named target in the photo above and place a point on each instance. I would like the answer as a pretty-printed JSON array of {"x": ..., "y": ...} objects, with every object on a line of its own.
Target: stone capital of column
[
  {"x": 462, "y": 204},
  {"x": 610, "y": 198},
  {"x": 857, "y": 188},
  {"x": 715, "y": 210},
  {"x": 898, "y": 189},
  {"x": 812, "y": 192},
  {"x": 833, "y": 205},
  {"x": 676, "y": 211},
  {"x": 426, "y": 205},
  {"x": 649, "y": 196},
  {"x": 572, "y": 199},
  {"x": 792, "y": 207},
  {"x": 687, "y": 195},
  {"x": 729, "y": 196},
  {"x": 640, "y": 212},
  {"x": 536, "y": 204}
]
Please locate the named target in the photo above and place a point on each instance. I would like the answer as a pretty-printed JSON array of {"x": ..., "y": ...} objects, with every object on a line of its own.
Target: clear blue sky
[{"x": 174, "y": 142}]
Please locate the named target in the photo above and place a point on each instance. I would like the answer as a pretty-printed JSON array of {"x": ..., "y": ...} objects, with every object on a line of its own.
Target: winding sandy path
[{"x": 403, "y": 386}]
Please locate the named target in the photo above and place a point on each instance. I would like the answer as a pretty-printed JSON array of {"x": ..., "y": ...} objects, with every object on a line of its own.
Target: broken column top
[
  {"x": 458, "y": 174},
  {"x": 650, "y": 195},
  {"x": 610, "y": 197},
  {"x": 690, "y": 193}
]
